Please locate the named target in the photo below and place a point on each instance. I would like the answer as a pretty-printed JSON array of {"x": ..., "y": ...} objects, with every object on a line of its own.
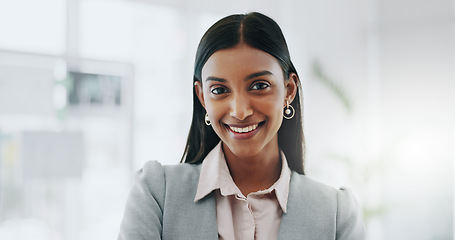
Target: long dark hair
[{"x": 263, "y": 33}]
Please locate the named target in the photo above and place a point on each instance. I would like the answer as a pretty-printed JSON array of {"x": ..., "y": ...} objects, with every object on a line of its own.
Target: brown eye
[
  {"x": 218, "y": 90},
  {"x": 260, "y": 85}
]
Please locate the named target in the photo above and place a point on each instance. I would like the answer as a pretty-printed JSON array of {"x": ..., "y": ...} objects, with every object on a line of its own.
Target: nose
[{"x": 240, "y": 107}]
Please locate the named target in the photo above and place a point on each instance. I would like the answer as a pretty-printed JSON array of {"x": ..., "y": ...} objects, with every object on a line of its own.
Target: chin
[{"x": 243, "y": 150}]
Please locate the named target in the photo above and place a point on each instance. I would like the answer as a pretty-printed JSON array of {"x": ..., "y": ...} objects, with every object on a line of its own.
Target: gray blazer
[{"x": 161, "y": 206}]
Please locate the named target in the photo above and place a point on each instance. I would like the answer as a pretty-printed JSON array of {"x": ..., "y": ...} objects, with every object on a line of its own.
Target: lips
[{"x": 244, "y": 131}]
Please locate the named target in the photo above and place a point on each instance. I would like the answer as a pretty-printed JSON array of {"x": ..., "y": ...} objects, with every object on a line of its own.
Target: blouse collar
[{"x": 215, "y": 175}]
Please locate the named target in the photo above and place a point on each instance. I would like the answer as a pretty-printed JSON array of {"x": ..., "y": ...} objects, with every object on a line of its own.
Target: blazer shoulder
[
  {"x": 305, "y": 187},
  {"x": 183, "y": 169},
  {"x": 143, "y": 214},
  {"x": 181, "y": 209},
  {"x": 328, "y": 204},
  {"x": 157, "y": 179},
  {"x": 154, "y": 171},
  {"x": 182, "y": 173},
  {"x": 310, "y": 187},
  {"x": 323, "y": 211},
  {"x": 350, "y": 223}
]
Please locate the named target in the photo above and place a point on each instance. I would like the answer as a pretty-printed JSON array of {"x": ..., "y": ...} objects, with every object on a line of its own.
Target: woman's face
[{"x": 244, "y": 91}]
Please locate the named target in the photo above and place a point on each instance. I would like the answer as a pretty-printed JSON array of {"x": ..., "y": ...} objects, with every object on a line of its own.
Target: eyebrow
[
  {"x": 251, "y": 76},
  {"x": 258, "y": 74},
  {"x": 210, "y": 78}
]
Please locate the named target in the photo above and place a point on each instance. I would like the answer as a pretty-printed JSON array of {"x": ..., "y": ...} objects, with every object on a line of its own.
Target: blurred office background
[{"x": 92, "y": 89}]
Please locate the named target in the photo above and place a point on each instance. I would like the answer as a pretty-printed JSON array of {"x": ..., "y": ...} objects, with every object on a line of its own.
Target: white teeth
[{"x": 245, "y": 129}]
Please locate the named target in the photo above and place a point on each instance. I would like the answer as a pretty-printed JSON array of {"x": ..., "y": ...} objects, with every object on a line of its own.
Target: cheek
[
  {"x": 215, "y": 110},
  {"x": 273, "y": 108}
]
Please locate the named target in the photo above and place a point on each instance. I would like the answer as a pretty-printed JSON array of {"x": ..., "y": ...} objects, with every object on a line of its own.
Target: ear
[
  {"x": 291, "y": 86},
  {"x": 199, "y": 92}
]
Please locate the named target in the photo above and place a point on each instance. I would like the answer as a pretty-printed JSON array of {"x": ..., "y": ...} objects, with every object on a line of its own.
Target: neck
[{"x": 254, "y": 173}]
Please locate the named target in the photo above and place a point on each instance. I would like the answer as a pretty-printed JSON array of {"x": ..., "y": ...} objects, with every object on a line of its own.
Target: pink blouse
[{"x": 256, "y": 216}]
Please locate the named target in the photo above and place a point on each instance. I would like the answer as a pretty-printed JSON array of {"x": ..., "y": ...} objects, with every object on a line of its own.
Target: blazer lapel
[
  {"x": 311, "y": 211},
  {"x": 291, "y": 226},
  {"x": 204, "y": 225},
  {"x": 185, "y": 219},
  {"x": 196, "y": 220}
]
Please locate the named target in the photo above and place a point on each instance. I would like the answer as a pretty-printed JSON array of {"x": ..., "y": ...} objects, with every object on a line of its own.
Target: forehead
[{"x": 240, "y": 60}]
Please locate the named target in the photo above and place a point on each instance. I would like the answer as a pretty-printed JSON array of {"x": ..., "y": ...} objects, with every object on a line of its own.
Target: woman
[{"x": 242, "y": 174}]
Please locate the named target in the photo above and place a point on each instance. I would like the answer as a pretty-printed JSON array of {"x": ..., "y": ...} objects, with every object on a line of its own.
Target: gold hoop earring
[
  {"x": 207, "y": 120},
  {"x": 289, "y": 111}
]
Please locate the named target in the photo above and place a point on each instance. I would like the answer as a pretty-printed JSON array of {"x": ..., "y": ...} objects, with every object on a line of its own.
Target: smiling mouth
[{"x": 244, "y": 129}]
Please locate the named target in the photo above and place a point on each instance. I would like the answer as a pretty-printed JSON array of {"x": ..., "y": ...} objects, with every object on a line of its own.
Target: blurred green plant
[
  {"x": 361, "y": 174},
  {"x": 334, "y": 87}
]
